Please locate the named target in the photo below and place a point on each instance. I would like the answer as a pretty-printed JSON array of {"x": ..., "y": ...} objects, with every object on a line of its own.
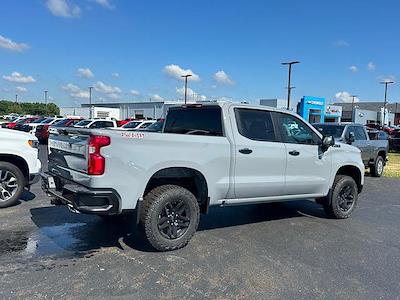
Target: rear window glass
[
  {"x": 255, "y": 124},
  {"x": 204, "y": 120},
  {"x": 330, "y": 130}
]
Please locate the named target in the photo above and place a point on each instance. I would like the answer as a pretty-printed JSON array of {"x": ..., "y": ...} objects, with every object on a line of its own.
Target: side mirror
[
  {"x": 351, "y": 138},
  {"x": 327, "y": 141}
]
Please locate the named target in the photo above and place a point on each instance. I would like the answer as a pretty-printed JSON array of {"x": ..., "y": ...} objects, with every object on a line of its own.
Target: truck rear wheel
[
  {"x": 12, "y": 183},
  {"x": 170, "y": 217},
  {"x": 377, "y": 168},
  {"x": 342, "y": 199}
]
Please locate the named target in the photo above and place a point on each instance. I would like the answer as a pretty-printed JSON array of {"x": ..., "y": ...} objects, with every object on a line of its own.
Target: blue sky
[{"x": 136, "y": 50}]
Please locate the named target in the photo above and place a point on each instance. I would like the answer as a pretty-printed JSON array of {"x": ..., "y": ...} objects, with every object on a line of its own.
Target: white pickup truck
[
  {"x": 208, "y": 154},
  {"x": 19, "y": 164}
]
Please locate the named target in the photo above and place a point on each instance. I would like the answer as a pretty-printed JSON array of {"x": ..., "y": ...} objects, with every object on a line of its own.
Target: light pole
[
  {"x": 290, "y": 72},
  {"x": 186, "y": 79},
  {"x": 16, "y": 98},
  {"x": 45, "y": 101},
  {"x": 386, "y": 82},
  {"x": 352, "y": 107},
  {"x": 90, "y": 102}
]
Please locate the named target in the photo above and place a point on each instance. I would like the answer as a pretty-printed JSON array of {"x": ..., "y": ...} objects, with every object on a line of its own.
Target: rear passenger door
[
  {"x": 308, "y": 169},
  {"x": 260, "y": 159}
]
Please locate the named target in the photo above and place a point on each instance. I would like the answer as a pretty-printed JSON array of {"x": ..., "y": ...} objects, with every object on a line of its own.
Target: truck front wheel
[
  {"x": 377, "y": 168},
  {"x": 342, "y": 199},
  {"x": 12, "y": 183},
  {"x": 170, "y": 217}
]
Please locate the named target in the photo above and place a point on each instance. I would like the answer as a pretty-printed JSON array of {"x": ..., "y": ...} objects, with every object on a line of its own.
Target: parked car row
[{"x": 41, "y": 127}]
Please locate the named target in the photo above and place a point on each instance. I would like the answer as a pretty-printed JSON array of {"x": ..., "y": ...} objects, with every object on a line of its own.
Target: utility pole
[
  {"x": 289, "y": 78},
  {"x": 45, "y": 101},
  {"x": 186, "y": 79},
  {"x": 386, "y": 82},
  {"x": 90, "y": 102},
  {"x": 352, "y": 107}
]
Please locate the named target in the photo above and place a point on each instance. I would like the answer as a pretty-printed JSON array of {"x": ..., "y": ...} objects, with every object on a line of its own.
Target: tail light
[{"x": 96, "y": 162}]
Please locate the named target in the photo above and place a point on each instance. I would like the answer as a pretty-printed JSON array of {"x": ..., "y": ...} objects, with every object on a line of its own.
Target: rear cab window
[{"x": 195, "y": 120}]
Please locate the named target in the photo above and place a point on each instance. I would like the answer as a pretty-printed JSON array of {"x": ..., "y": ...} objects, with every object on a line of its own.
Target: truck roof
[{"x": 229, "y": 104}]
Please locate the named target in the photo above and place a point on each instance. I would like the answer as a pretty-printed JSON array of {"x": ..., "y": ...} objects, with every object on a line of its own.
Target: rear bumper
[{"x": 79, "y": 198}]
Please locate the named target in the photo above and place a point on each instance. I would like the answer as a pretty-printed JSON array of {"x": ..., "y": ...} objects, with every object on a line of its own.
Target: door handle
[
  {"x": 245, "y": 151},
  {"x": 294, "y": 152}
]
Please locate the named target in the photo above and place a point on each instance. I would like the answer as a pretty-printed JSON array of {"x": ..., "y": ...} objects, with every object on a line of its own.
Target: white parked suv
[
  {"x": 208, "y": 154},
  {"x": 96, "y": 123},
  {"x": 19, "y": 164},
  {"x": 136, "y": 124}
]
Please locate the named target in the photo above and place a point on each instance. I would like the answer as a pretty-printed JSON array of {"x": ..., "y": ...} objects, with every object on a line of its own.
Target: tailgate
[{"x": 68, "y": 149}]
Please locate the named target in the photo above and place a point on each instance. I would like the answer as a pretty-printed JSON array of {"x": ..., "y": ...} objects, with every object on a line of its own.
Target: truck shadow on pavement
[
  {"x": 60, "y": 232},
  {"x": 25, "y": 197}
]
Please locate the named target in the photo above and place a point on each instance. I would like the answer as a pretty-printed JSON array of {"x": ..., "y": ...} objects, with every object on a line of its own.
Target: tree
[{"x": 27, "y": 108}]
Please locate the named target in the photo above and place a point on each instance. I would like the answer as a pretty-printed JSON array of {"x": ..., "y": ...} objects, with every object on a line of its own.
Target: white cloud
[
  {"x": 191, "y": 95},
  {"x": 387, "y": 78},
  {"x": 75, "y": 91},
  {"x": 353, "y": 69},
  {"x": 85, "y": 72},
  {"x": 341, "y": 43},
  {"x": 19, "y": 78},
  {"x": 115, "y": 75},
  {"x": 7, "y": 43},
  {"x": 62, "y": 8},
  {"x": 176, "y": 72},
  {"x": 21, "y": 89},
  {"x": 156, "y": 97},
  {"x": 104, "y": 3},
  {"x": 223, "y": 78},
  {"x": 371, "y": 66},
  {"x": 345, "y": 97},
  {"x": 134, "y": 92},
  {"x": 103, "y": 88}
]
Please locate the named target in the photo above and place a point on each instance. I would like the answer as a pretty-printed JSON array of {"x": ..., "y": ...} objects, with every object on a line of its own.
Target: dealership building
[
  {"x": 122, "y": 110},
  {"x": 371, "y": 112},
  {"x": 312, "y": 109}
]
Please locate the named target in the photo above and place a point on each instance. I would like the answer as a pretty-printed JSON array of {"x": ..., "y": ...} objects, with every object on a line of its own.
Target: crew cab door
[
  {"x": 260, "y": 159},
  {"x": 361, "y": 142},
  {"x": 308, "y": 170}
]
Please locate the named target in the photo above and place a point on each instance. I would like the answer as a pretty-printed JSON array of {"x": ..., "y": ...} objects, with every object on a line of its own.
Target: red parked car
[
  {"x": 43, "y": 131},
  {"x": 20, "y": 123}
]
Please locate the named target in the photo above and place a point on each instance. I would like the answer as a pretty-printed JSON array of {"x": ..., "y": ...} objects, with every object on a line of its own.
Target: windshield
[
  {"x": 157, "y": 126},
  {"x": 47, "y": 121},
  {"x": 334, "y": 130},
  {"x": 83, "y": 123},
  {"x": 61, "y": 123},
  {"x": 132, "y": 124},
  {"x": 38, "y": 120}
]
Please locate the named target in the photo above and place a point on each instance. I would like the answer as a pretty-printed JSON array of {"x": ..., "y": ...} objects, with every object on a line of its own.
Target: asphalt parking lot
[{"x": 282, "y": 250}]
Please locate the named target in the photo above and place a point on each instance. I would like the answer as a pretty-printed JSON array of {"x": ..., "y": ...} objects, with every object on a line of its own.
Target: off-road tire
[
  {"x": 6, "y": 166},
  {"x": 154, "y": 202},
  {"x": 376, "y": 169},
  {"x": 331, "y": 202}
]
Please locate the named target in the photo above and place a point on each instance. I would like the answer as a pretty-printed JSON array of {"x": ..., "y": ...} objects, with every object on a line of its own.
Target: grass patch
[{"x": 392, "y": 168}]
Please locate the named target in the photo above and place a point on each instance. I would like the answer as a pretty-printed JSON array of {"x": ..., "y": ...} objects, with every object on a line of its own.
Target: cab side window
[
  {"x": 255, "y": 124},
  {"x": 295, "y": 131}
]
